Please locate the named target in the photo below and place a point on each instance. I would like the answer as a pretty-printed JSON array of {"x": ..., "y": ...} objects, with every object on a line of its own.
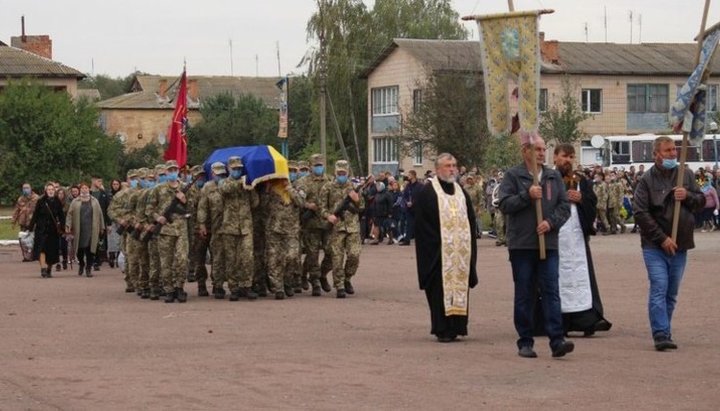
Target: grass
[{"x": 7, "y": 231}]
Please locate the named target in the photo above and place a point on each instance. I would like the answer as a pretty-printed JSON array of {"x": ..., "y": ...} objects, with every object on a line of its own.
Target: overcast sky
[{"x": 154, "y": 36}]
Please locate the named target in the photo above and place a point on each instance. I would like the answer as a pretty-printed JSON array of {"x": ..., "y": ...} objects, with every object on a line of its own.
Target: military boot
[
  {"x": 304, "y": 283},
  {"x": 235, "y": 295},
  {"x": 88, "y": 272},
  {"x": 289, "y": 291},
  {"x": 279, "y": 295},
  {"x": 145, "y": 294},
  {"x": 219, "y": 293},
  {"x": 191, "y": 277},
  {"x": 325, "y": 284},
  {"x": 248, "y": 293},
  {"x": 49, "y": 271},
  {"x": 43, "y": 272},
  {"x": 129, "y": 289},
  {"x": 202, "y": 290},
  {"x": 81, "y": 268},
  {"x": 340, "y": 293},
  {"x": 349, "y": 287},
  {"x": 154, "y": 294},
  {"x": 316, "y": 290},
  {"x": 170, "y": 296},
  {"x": 181, "y": 295}
]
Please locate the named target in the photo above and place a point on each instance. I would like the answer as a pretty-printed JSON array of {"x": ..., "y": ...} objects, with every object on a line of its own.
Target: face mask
[
  {"x": 304, "y": 173},
  {"x": 162, "y": 178},
  {"x": 200, "y": 183},
  {"x": 188, "y": 179},
  {"x": 318, "y": 170},
  {"x": 669, "y": 163},
  {"x": 26, "y": 191},
  {"x": 236, "y": 173},
  {"x": 293, "y": 176},
  {"x": 341, "y": 179},
  {"x": 84, "y": 196},
  {"x": 133, "y": 183},
  {"x": 172, "y": 176}
]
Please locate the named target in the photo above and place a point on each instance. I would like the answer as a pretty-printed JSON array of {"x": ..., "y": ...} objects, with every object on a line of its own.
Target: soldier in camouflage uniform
[
  {"x": 477, "y": 197},
  {"x": 237, "y": 231},
  {"x": 303, "y": 168},
  {"x": 345, "y": 241},
  {"x": 297, "y": 271},
  {"x": 151, "y": 242},
  {"x": 615, "y": 200},
  {"x": 172, "y": 239},
  {"x": 259, "y": 219},
  {"x": 133, "y": 265},
  {"x": 283, "y": 236},
  {"x": 118, "y": 212},
  {"x": 315, "y": 228},
  {"x": 601, "y": 191},
  {"x": 137, "y": 205},
  {"x": 198, "y": 243},
  {"x": 210, "y": 217}
]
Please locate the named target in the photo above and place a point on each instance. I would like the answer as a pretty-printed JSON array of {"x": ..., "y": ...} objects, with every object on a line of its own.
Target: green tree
[
  {"x": 450, "y": 118},
  {"x": 108, "y": 86},
  {"x": 303, "y": 126},
  {"x": 501, "y": 152},
  {"x": 44, "y": 135},
  {"x": 561, "y": 121},
  {"x": 147, "y": 156},
  {"x": 231, "y": 121}
]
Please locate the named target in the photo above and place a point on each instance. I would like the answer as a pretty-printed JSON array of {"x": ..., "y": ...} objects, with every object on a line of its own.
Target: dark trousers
[
  {"x": 64, "y": 248},
  {"x": 409, "y": 225},
  {"x": 530, "y": 274},
  {"x": 85, "y": 257}
]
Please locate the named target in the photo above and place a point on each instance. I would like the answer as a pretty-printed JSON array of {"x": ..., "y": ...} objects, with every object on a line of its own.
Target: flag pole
[{"x": 684, "y": 146}]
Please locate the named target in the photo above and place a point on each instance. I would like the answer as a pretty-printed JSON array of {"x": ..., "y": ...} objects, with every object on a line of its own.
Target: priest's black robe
[
  {"x": 592, "y": 319},
  {"x": 429, "y": 266}
]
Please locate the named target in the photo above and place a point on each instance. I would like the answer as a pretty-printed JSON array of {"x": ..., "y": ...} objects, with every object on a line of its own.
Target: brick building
[{"x": 626, "y": 88}]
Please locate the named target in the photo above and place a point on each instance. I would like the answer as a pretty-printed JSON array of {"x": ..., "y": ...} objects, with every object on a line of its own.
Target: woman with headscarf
[
  {"x": 85, "y": 222},
  {"x": 47, "y": 223}
]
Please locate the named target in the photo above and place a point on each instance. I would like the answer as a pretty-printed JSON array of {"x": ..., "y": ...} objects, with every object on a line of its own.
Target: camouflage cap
[
  {"x": 160, "y": 169},
  {"x": 132, "y": 173},
  {"x": 292, "y": 165},
  {"x": 142, "y": 172},
  {"x": 342, "y": 165},
  {"x": 302, "y": 164},
  {"x": 197, "y": 170},
  {"x": 218, "y": 168},
  {"x": 171, "y": 164},
  {"x": 235, "y": 162},
  {"x": 316, "y": 159}
]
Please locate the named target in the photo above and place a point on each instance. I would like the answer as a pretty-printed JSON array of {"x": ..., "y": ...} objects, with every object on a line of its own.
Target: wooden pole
[
  {"x": 538, "y": 203},
  {"x": 684, "y": 146}
]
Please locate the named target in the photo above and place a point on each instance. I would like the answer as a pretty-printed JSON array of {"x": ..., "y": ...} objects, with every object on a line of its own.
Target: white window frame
[
  {"x": 543, "y": 101},
  {"x": 385, "y": 150},
  {"x": 418, "y": 153},
  {"x": 385, "y": 101},
  {"x": 586, "y": 100}
]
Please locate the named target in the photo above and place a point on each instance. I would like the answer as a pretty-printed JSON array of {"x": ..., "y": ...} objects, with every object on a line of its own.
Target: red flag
[{"x": 177, "y": 137}]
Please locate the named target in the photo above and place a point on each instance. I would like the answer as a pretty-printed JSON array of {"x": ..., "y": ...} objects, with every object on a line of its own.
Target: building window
[
  {"x": 591, "y": 100},
  {"x": 417, "y": 153},
  {"x": 543, "y": 104},
  {"x": 647, "y": 98},
  {"x": 621, "y": 152},
  {"x": 385, "y": 150},
  {"x": 385, "y": 101},
  {"x": 417, "y": 100}
]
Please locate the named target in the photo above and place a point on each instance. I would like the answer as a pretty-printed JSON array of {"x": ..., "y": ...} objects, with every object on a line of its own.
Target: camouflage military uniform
[
  {"x": 315, "y": 230},
  {"x": 345, "y": 244},
  {"x": 477, "y": 197},
  {"x": 172, "y": 240},
  {"x": 118, "y": 211},
  {"x": 147, "y": 221},
  {"x": 237, "y": 234},
  {"x": 198, "y": 243},
  {"x": 602, "y": 192},
  {"x": 615, "y": 195},
  {"x": 283, "y": 239},
  {"x": 259, "y": 219},
  {"x": 210, "y": 215},
  {"x": 141, "y": 248}
]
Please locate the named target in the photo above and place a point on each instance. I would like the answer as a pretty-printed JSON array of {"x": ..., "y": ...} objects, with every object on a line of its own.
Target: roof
[
  {"x": 91, "y": 94},
  {"x": 146, "y": 88},
  {"x": 17, "y": 63},
  {"x": 657, "y": 59}
]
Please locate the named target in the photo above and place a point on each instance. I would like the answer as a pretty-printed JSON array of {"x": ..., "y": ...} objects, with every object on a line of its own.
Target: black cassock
[
  {"x": 592, "y": 319},
  {"x": 428, "y": 252}
]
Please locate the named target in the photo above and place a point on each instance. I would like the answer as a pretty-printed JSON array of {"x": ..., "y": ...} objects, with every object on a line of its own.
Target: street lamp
[{"x": 714, "y": 128}]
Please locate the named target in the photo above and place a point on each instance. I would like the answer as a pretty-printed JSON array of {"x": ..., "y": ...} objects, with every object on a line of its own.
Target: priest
[{"x": 445, "y": 249}]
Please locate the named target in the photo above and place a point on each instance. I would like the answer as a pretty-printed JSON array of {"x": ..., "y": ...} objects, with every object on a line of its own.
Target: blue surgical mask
[
  {"x": 304, "y": 173},
  {"x": 26, "y": 191},
  {"x": 318, "y": 170},
  {"x": 293, "y": 176},
  {"x": 133, "y": 183},
  {"x": 669, "y": 163},
  {"x": 341, "y": 179},
  {"x": 235, "y": 173},
  {"x": 200, "y": 182},
  {"x": 162, "y": 178},
  {"x": 171, "y": 176}
]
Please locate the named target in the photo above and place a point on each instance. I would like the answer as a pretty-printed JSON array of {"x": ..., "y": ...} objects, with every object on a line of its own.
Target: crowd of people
[{"x": 167, "y": 225}]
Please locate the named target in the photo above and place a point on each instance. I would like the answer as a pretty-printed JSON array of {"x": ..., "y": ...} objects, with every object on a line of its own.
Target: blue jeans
[
  {"x": 529, "y": 274},
  {"x": 665, "y": 273}
]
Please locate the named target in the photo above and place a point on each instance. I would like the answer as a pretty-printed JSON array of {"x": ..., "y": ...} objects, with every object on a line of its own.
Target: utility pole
[
  {"x": 277, "y": 47},
  {"x": 631, "y": 25},
  {"x": 323, "y": 81},
  {"x": 586, "y": 32},
  {"x": 605, "y": 24},
  {"x": 231, "y": 58}
]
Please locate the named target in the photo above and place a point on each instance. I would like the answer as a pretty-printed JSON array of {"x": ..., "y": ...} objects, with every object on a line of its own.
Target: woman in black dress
[{"x": 48, "y": 222}]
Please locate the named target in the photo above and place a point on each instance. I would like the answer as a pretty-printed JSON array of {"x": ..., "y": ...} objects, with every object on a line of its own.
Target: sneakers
[
  {"x": 325, "y": 284},
  {"x": 663, "y": 342},
  {"x": 349, "y": 287},
  {"x": 526, "y": 351},
  {"x": 565, "y": 347}
]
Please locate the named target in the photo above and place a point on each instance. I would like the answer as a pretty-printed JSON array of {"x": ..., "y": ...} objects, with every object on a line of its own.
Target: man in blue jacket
[{"x": 517, "y": 196}]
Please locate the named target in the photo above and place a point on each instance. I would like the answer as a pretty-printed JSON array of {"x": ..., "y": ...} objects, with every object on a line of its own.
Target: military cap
[
  {"x": 132, "y": 173},
  {"x": 197, "y": 170},
  {"x": 342, "y": 165},
  {"x": 234, "y": 162},
  {"x": 171, "y": 164},
  {"x": 142, "y": 172},
  {"x": 160, "y": 169},
  {"x": 317, "y": 159},
  {"x": 292, "y": 165},
  {"x": 218, "y": 168},
  {"x": 302, "y": 164}
]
